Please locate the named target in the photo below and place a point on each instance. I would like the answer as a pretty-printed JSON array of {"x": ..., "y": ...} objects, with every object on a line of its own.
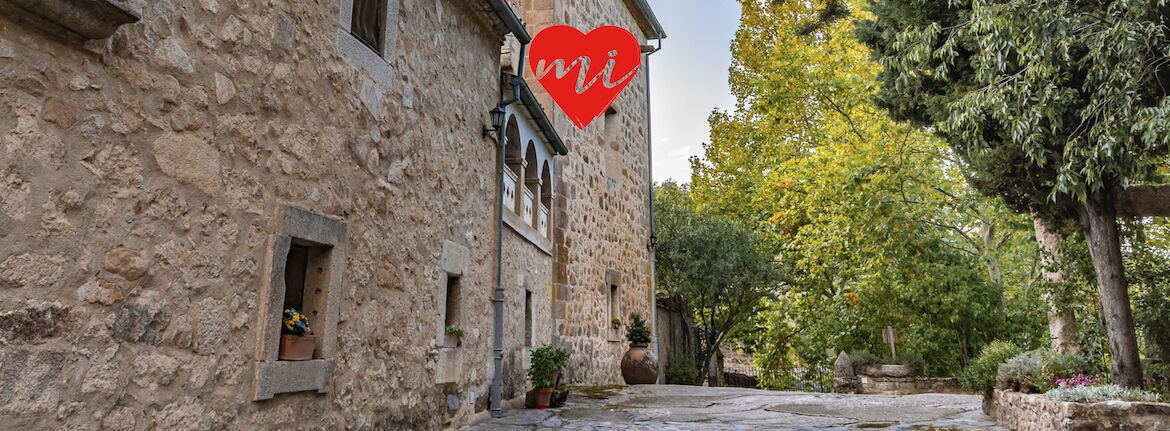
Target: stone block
[
  {"x": 34, "y": 323},
  {"x": 455, "y": 259},
  {"x": 189, "y": 159},
  {"x": 29, "y": 381},
  {"x": 450, "y": 365},
  {"x": 29, "y": 269},
  {"x": 613, "y": 278},
  {"x": 125, "y": 262},
  {"x": 99, "y": 292},
  {"x": 278, "y": 377},
  {"x": 142, "y": 319}
]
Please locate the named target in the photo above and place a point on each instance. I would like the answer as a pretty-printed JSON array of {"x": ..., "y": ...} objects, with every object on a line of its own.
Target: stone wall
[
  {"x": 527, "y": 268},
  {"x": 1036, "y": 412},
  {"x": 601, "y": 221},
  {"x": 910, "y": 385},
  {"x": 140, "y": 178}
]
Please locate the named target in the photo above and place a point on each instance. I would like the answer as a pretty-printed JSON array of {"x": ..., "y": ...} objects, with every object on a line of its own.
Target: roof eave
[
  {"x": 509, "y": 18},
  {"x": 647, "y": 21},
  {"x": 537, "y": 113}
]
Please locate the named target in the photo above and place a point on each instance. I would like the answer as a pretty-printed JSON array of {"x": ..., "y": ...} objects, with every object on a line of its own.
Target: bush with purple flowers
[{"x": 1078, "y": 381}]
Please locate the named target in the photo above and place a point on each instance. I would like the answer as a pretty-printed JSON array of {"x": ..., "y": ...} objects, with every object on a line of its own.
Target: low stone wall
[
  {"x": 1036, "y": 412},
  {"x": 909, "y": 385}
]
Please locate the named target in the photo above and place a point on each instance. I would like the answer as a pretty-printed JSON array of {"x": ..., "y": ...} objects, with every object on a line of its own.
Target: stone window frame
[
  {"x": 273, "y": 376},
  {"x": 380, "y": 65},
  {"x": 613, "y": 293},
  {"x": 453, "y": 263}
]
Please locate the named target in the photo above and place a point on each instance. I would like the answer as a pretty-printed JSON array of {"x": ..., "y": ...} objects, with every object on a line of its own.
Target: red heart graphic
[{"x": 584, "y": 73}]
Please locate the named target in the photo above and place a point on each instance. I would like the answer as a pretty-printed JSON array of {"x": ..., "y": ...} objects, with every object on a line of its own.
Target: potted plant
[
  {"x": 639, "y": 366},
  {"x": 296, "y": 340},
  {"x": 454, "y": 336},
  {"x": 547, "y": 361},
  {"x": 617, "y": 323}
]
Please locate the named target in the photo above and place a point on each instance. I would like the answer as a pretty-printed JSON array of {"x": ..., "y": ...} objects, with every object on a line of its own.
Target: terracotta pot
[
  {"x": 639, "y": 366},
  {"x": 543, "y": 397},
  {"x": 297, "y": 347}
]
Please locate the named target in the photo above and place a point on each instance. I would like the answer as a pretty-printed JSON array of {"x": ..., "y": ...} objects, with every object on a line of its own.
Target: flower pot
[
  {"x": 451, "y": 340},
  {"x": 639, "y": 366},
  {"x": 543, "y": 397},
  {"x": 297, "y": 347}
]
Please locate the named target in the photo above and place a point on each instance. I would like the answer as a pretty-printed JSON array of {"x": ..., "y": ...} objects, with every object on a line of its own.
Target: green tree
[
  {"x": 1052, "y": 105},
  {"x": 875, "y": 220},
  {"x": 709, "y": 264}
]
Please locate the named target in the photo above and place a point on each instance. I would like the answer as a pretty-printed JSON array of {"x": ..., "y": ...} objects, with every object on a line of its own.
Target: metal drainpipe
[
  {"x": 653, "y": 236},
  {"x": 497, "y": 388}
]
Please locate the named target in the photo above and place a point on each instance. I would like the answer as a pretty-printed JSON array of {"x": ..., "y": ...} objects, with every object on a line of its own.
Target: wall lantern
[{"x": 497, "y": 116}]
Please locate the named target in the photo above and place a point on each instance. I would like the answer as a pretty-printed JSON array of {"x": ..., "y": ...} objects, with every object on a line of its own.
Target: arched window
[
  {"x": 531, "y": 185},
  {"x": 515, "y": 166},
  {"x": 544, "y": 220}
]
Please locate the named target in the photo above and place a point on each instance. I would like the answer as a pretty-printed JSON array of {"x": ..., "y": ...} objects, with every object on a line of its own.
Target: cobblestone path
[{"x": 670, "y": 407}]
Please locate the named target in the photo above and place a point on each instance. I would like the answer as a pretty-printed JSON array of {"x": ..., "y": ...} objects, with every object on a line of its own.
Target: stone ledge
[
  {"x": 1036, "y": 412},
  {"x": 527, "y": 232},
  {"x": 277, "y": 377},
  {"x": 93, "y": 19},
  {"x": 365, "y": 58}
]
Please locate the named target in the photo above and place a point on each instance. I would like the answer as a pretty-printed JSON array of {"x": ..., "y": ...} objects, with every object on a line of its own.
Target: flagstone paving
[{"x": 671, "y": 407}]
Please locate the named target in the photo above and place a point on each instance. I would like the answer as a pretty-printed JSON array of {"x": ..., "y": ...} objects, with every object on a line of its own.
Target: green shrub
[
  {"x": 546, "y": 360},
  {"x": 860, "y": 358},
  {"x": 980, "y": 374},
  {"x": 681, "y": 370},
  {"x": 1092, "y": 394},
  {"x": 1062, "y": 366},
  {"x": 912, "y": 360},
  {"x": 636, "y": 331},
  {"x": 1036, "y": 370},
  {"x": 1022, "y": 373}
]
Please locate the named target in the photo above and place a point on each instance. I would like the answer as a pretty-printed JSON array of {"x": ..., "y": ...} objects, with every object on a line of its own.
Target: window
[
  {"x": 611, "y": 125},
  {"x": 613, "y": 279},
  {"x": 454, "y": 262},
  {"x": 296, "y": 267},
  {"x": 367, "y": 37},
  {"x": 369, "y": 23},
  {"x": 306, "y": 261},
  {"x": 528, "y": 335},
  {"x": 614, "y": 308},
  {"x": 451, "y": 310},
  {"x": 305, "y": 282}
]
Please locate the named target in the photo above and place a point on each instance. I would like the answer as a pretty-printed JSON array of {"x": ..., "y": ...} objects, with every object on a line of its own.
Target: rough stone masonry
[{"x": 146, "y": 179}]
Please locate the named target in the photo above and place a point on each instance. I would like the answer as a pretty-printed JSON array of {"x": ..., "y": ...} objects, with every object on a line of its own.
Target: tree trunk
[
  {"x": 1062, "y": 322},
  {"x": 1099, "y": 219}
]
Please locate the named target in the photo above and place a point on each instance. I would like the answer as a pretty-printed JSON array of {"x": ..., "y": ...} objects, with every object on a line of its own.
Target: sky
[{"x": 688, "y": 79}]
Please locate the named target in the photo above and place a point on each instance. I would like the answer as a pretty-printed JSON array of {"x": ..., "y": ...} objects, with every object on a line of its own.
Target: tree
[
  {"x": 872, "y": 216},
  {"x": 1052, "y": 105},
  {"x": 710, "y": 264}
]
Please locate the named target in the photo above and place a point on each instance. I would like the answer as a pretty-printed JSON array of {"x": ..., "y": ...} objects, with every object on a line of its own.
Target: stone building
[{"x": 173, "y": 175}]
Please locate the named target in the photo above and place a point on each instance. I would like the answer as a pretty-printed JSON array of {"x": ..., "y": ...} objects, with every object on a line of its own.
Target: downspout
[
  {"x": 497, "y": 389},
  {"x": 653, "y": 236}
]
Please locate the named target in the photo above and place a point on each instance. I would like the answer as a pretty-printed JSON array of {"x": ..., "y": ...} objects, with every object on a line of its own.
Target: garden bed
[{"x": 1037, "y": 412}]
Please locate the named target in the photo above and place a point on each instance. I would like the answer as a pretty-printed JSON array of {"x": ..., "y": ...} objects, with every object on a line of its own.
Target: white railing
[
  {"x": 509, "y": 190},
  {"x": 528, "y": 201},
  {"x": 543, "y": 224}
]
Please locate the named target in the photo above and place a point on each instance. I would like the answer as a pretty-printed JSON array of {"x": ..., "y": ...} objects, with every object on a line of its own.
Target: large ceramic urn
[{"x": 639, "y": 366}]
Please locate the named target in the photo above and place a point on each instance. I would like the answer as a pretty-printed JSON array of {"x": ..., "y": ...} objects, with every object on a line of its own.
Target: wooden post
[{"x": 889, "y": 335}]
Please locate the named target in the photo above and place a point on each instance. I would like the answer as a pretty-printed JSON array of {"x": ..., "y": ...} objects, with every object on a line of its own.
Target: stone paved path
[{"x": 670, "y": 407}]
